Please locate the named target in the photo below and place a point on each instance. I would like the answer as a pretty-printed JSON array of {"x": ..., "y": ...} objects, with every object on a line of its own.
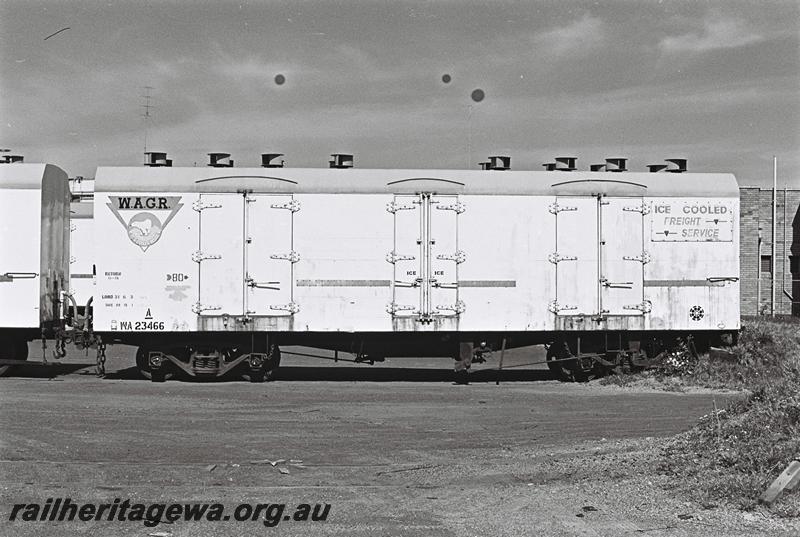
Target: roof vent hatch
[
  {"x": 678, "y": 166},
  {"x": 497, "y": 162},
  {"x": 270, "y": 160},
  {"x": 341, "y": 160},
  {"x": 561, "y": 164},
  {"x": 156, "y": 159},
  {"x": 220, "y": 160},
  {"x": 611, "y": 165}
]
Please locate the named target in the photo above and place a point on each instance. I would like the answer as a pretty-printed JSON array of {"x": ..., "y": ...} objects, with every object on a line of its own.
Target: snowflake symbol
[{"x": 696, "y": 313}]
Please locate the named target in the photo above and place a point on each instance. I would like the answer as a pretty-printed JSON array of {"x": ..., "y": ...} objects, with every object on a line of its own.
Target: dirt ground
[{"x": 395, "y": 449}]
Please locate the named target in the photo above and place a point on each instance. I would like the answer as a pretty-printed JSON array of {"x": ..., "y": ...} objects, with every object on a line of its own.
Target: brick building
[{"x": 756, "y": 251}]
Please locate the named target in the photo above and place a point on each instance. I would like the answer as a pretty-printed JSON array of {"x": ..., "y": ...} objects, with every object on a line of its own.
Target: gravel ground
[{"x": 414, "y": 457}]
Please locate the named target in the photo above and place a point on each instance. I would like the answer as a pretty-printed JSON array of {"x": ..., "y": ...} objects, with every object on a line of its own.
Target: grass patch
[
  {"x": 733, "y": 454},
  {"x": 767, "y": 357},
  {"x": 620, "y": 379},
  {"x": 651, "y": 378}
]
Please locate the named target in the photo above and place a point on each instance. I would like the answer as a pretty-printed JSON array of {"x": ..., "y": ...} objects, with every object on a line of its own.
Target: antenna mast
[{"x": 146, "y": 114}]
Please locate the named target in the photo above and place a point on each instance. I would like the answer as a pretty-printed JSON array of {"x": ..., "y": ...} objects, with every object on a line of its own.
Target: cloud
[
  {"x": 579, "y": 36},
  {"x": 253, "y": 68},
  {"x": 718, "y": 33}
]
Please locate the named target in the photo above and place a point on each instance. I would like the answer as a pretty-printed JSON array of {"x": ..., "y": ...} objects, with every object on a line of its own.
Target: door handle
[
  {"x": 618, "y": 285},
  {"x": 11, "y": 276},
  {"x": 264, "y": 285}
]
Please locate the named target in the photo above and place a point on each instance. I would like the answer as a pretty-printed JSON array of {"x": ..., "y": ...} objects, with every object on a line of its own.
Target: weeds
[
  {"x": 618, "y": 380},
  {"x": 767, "y": 356},
  {"x": 733, "y": 454}
]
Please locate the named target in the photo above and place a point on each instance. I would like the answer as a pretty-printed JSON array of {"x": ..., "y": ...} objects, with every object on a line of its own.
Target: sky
[{"x": 715, "y": 82}]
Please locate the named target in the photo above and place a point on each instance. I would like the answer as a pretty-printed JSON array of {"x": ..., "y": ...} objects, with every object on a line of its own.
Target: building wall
[{"x": 756, "y": 229}]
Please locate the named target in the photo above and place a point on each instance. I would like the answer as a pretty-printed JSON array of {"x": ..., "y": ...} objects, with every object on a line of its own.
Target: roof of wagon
[
  {"x": 29, "y": 176},
  {"x": 394, "y": 181}
]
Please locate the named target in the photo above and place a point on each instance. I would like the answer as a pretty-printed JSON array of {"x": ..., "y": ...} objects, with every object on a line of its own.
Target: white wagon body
[
  {"x": 394, "y": 251},
  {"x": 34, "y": 248},
  {"x": 81, "y": 262}
]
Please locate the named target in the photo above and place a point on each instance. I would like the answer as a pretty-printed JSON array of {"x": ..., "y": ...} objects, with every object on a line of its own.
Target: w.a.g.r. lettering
[
  {"x": 145, "y": 216},
  {"x": 144, "y": 202}
]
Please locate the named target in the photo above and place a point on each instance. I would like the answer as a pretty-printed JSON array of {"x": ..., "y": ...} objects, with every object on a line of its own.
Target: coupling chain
[
  {"x": 61, "y": 346},
  {"x": 101, "y": 359}
]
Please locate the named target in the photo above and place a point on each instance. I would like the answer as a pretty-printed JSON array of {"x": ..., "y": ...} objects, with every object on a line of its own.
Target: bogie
[{"x": 257, "y": 362}]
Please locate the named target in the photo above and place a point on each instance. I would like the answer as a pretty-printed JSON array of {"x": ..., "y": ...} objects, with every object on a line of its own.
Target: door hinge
[
  {"x": 458, "y": 308},
  {"x": 72, "y": 259},
  {"x": 643, "y": 259},
  {"x": 555, "y": 257},
  {"x": 200, "y": 205},
  {"x": 291, "y": 307},
  {"x": 72, "y": 227},
  {"x": 392, "y": 257},
  {"x": 199, "y": 256},
  {"x": 292, "y": 257},
  {"x": 393, "y": 308},
  {"x": 555, "y": 208},
  {"x": 459, "y": 257},
  {"x": 644, "y": 307},
  {"x": 643, "y": 208},
  {"x": 555, "y": 307},
  {"x": 393, "y": 207},
  {"x": 198, "y": 308},
  {"x": 293, "y": 205},
  {"x": 457, "y": 207}
]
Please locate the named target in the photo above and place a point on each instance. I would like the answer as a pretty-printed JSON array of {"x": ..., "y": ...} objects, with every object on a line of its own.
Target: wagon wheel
[
  {"x": 257, "y": 376},
  {"x": 269, "y": 368},
  {"x": 626, "y": 366},
  {"x": 558, "y": 351},
  {"x": 168, "y": 370},
  {"x": 272, "y": 363},
  {"x": 571, "y": 370},
  {"x": 158, "y": 375},
  {"x": 623, "y": 362},
  {"x": 142, "y": 363},
  {"x": 597, "y": 371}
]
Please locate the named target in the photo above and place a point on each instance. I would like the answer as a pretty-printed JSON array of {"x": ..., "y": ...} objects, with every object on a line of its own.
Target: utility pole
[
  {"x": 774, "y": 229},
  {"x": 146, "y": 114}
]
